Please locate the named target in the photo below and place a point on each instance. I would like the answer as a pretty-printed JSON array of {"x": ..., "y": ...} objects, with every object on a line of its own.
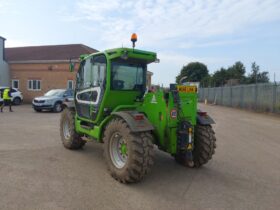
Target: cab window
[{"x": 92, "y": 72}]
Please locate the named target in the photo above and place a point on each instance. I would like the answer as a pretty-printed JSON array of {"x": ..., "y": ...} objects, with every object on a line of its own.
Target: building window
[
  {"x": 34, "y": 84},
  {"x": 70, "y": 84},
  {"x": 15, "y": 83}
]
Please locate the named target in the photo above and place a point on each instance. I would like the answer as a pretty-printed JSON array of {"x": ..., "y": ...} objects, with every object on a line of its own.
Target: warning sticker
[
  {"x": 173, "y": 113},
  {"x": 154, "y": 100}
]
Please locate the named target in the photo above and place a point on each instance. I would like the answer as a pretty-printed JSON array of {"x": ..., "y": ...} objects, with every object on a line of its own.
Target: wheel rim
[
  {"x": 118, "y": 150},
  {"x": 66, "y": 129},
  {"x": 58, "y": 107},
  {"x": 17, "y": 101}
]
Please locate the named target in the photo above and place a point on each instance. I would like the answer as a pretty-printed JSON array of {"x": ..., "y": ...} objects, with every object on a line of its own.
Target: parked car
[
  {"x": 52, "y": 100},
  {"x": 17, "y": 96}
]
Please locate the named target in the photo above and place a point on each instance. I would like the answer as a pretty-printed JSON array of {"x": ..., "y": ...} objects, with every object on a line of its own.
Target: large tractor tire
[
  {"x": 129, "y": 156},
  {"x": 70, "y": 138},
  {"x": 204, "y": 144},
  {"x": 204, "y": 147}
]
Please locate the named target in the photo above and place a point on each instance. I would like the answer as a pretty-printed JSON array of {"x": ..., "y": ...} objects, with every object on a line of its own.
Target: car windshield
[
  {"x": 55, "y": 93},
  {"x": 127, "y": 76}
]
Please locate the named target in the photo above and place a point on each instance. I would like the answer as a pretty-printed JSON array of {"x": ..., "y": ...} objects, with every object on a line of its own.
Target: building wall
[
  {"x": 52, "y": 76},
  {"x": 4, "y": 68}
]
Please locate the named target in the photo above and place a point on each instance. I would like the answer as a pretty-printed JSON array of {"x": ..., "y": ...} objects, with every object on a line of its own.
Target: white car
[{"x": 17, "y": 97}]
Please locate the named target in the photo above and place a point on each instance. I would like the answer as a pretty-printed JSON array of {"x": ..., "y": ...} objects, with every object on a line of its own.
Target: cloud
[
  {"x": 171, "y": 63},
  {"x": 205, "y": 44},
  {"x": 160, "y": 21},
  {"x": 3, "y": 5},
  {"x": 173, "y": 28}
]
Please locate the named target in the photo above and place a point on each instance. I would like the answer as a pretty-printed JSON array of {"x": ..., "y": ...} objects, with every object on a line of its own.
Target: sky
[{"x": 215, "y": 32}]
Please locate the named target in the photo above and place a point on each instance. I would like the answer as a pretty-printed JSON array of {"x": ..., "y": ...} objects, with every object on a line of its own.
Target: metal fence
[{"x": 259, "y": 97}]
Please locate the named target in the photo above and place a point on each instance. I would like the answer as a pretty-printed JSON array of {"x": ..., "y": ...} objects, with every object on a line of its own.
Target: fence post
[
  {"x": 241, "y": 97},
  {"x": 274, "y": 98},
  {"x": 222, "y": 93},
  {"x": 256, "y": 97},
  {"x": 230, "y": 95}
]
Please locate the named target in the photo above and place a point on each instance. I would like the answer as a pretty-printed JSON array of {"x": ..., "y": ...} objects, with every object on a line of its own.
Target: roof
[
  {"x": 47, "y": 53},
  {"x": 2, "y": 38}
]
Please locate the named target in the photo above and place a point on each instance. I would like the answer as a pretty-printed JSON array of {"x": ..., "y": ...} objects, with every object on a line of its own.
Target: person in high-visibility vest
[{"x": 7, "y": 96}]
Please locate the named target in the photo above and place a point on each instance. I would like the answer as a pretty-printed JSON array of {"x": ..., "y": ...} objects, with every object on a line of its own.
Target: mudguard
[
  {"x": 136, "y": 125},
  {"x": 204, "y": 119}
]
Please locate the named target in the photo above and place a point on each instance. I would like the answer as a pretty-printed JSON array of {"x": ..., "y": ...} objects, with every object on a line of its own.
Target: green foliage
[
  {"x": 194, "y": 72},
  {"x": 220, "y": 77},
  {"x": 198, "y": 72},
  {"x": 256, "y": 76},
  {"x": 237, "y": 71}
]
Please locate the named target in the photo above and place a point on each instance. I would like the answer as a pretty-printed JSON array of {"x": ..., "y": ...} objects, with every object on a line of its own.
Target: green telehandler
[{"x": 112, "y": 106}]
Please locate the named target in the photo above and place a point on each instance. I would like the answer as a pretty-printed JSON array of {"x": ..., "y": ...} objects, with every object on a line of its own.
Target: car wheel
[
  {"x": 57, "y": 107},
  {"x": 17, "y": 101},
  {"x": 37, "y": 110}
]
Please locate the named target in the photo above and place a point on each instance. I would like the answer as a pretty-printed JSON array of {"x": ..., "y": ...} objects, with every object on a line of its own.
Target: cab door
[{"x": 90, "y": 86}]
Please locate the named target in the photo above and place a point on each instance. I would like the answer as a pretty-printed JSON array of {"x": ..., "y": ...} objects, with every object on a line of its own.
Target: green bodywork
[{"x": 158, "y": 107}]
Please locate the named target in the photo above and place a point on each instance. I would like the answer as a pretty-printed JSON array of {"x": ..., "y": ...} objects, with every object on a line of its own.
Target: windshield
[
  {"x": 127, "y": 76},
  {"x": 55, "y": 93}
]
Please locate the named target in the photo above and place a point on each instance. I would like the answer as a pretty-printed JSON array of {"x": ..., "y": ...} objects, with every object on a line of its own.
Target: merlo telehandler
[{"x": 112, "y": 105}]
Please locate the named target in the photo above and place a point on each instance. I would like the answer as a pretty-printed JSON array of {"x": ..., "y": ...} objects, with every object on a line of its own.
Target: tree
[
  {"x": 234, "y": 72},
  {"x": 194, "y": 72},
  {"x": 256, "y": 76},
  {"x": 237, "y": 71},
  {"x": 220, "y": 77},
  {"x": 206, "y": 81}
]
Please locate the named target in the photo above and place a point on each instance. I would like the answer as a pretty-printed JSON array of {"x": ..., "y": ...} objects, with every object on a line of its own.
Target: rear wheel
[
  {"x": 204, "y": 144},
  {"x": 69, "y": 137},
  {"x": 129, "y": 156},
  {"x": 204, "y": 147}
]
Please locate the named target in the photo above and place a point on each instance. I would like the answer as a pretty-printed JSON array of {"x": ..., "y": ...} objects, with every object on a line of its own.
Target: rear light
[
  {"x": 138, "y": 117},
  {"x": 202, "y": 113}
]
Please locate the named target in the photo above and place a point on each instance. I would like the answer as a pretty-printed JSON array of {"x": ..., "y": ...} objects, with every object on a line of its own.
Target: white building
[{"x": 4, "y": 68}]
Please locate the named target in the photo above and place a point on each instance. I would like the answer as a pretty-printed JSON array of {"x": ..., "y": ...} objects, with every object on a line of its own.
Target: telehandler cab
[{"x": 112, "y": 106}]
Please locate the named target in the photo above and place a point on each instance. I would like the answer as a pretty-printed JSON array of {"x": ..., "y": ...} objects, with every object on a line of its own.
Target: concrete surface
[{"x": 36, "y": 172}]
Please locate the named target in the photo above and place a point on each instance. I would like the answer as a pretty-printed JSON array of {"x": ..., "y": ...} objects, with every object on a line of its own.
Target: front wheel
[
  {"x": 129, "y": 156},
  {"x": 69, "y": 137},
  {"x": 37, "y": 110}
]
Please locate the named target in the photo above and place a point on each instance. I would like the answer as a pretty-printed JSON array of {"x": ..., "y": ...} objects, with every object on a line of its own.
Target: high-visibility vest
[{"x": 6, "y": 94}]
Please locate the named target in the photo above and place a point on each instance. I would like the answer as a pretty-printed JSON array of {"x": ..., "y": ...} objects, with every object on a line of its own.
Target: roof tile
[{"x": 50, "y": 52}]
